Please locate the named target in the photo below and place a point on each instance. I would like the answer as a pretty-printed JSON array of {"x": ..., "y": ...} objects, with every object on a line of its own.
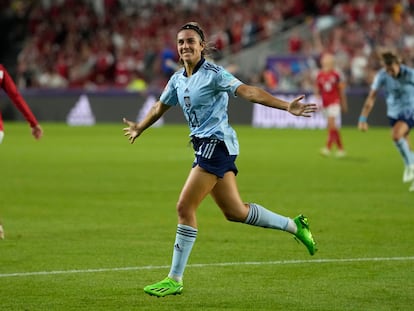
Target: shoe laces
[{"x": 304, "y": 221}]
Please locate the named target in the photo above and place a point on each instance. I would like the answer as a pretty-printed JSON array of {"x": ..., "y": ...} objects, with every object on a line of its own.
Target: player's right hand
[
  {"x": 37, "y": 131},
  {"x": 132, "y": 131}
]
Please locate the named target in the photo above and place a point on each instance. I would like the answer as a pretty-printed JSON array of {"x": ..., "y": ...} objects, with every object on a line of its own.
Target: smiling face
[{"x": 189, "y": 46}]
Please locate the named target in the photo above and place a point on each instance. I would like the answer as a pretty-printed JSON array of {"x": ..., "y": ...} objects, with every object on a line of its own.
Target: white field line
[{"x": 219, "y": 264}]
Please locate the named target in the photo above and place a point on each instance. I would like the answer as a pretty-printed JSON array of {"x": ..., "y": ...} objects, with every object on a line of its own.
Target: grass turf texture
[{"x": 84, "y": 198}]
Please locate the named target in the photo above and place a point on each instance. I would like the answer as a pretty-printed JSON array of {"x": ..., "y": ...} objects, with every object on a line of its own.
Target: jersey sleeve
[
  {"x": 410, "y": 75},
  {"x": 11, "y": 90},
  {"x": 169, "y": 94},
  {"x": 225, "y": 81},
  {"x": 378, "y": 80}
]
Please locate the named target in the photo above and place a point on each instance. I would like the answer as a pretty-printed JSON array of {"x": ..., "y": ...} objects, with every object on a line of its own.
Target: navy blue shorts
[
  {"x": 407, "y": 118},
  {"x": 212, "y": 155}
]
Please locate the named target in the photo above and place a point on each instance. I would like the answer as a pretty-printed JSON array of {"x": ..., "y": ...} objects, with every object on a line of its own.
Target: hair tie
[{"x": 195, "y": 28}]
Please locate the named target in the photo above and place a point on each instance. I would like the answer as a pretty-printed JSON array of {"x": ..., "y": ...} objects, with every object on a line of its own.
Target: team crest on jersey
[{"x": 187, "y": 101}]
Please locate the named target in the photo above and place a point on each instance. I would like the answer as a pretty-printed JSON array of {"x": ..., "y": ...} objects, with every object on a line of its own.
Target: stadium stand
[{"x": 113, "y": 43}]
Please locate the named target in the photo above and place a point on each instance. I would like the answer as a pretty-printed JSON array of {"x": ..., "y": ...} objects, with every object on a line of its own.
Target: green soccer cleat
[
  {"x": 165, "y": 287},
  {"x": 304, "y": 235}
]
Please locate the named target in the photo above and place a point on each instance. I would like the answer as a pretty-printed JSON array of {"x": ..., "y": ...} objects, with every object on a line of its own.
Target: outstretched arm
[
  {"x": 11, "y": 90},
  {"x": 366, "y": 109},
  {"x": 135, "y": 129},
  {"x": 257, "y": 95}
]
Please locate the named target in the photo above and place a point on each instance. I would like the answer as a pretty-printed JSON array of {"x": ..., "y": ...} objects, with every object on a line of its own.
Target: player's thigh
[
  {"x": 332, "y": 114},
  {"x": 226, "y": 195},
  {"x": 199, "y": 183}
]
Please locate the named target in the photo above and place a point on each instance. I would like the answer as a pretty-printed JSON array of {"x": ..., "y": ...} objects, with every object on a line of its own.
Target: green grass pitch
[{"x": 90, "y": 220}]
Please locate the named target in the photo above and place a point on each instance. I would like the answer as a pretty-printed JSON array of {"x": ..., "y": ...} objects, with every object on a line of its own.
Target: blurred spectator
[
  {"x": 137, "y": 83},
  {"x": 359, "y": 63},
  {"x": 295, "y": 43},
  {"x": 366, "y": 25},
  {"x": 50, "y": 78},
  {"x": 102, "y": 43}
]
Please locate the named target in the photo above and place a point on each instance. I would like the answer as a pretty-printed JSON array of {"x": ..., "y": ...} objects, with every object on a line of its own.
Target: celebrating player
[
  {"x": 330, "y": 86},
  {"x": 398, "y": 83},
  {"x": 8, "y": 85},
  {"x": 202, "y": 88}
]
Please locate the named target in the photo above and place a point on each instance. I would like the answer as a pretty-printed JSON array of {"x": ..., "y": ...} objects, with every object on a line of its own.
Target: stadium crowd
[
  {"x": 109, "y": 42},
  {"x": 127, "y": 43}
]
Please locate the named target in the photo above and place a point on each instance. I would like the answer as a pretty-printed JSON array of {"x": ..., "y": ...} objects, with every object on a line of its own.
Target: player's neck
[{"x": 191, "y": 67}]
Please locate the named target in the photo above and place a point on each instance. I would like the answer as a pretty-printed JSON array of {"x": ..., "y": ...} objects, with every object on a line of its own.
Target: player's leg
[
  {"x": 199, "y": 183},
  {"x": 227, "y": 197},
  {"x": 399, "y": 132},
  {"x": 1, "y": 231},
  {"x": 330, "y": 140},
  {"x": 332, "y": 114},
  {"x": 1, "y": 129},
  {"x": 407, "y": 138},
  {"x": 326, "y": 150},
  {"x": 335, "y": 114}
]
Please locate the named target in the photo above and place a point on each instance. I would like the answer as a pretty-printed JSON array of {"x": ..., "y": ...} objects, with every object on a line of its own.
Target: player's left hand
[{"x": 298, "y": 109}]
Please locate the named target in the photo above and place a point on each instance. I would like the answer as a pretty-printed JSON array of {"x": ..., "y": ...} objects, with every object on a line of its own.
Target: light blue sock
[
  {"x": 184, "y": 241},
  {"x": 404, "y": 149},
  {"x": 261, "y": 217}
]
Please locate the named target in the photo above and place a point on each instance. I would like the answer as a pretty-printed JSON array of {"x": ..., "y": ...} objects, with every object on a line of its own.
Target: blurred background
[{"x": 64, "y": 48}]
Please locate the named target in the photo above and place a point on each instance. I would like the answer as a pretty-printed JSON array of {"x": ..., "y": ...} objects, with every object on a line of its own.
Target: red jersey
[
  {"x": 8, "y": 85},
  {"x": 328, "y": 84}
]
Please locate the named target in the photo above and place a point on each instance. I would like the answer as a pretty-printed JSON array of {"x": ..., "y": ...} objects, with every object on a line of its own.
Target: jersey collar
[
  {"x": 402, "y": 72},
  {"x": 201, "y": 61}
]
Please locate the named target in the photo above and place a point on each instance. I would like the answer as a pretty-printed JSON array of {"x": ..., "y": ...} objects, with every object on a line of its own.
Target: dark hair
[
  {"x": 194, "y": 26},
  {"x": 389, "y": 58}
]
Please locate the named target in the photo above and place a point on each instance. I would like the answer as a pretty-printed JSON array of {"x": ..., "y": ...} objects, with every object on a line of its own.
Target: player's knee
[
  {"x": 234, "y": 215},
  {"x": 184, "y": 211},
  {"x": 395, "y": 137},
  {"x": 230, "y": 217}
]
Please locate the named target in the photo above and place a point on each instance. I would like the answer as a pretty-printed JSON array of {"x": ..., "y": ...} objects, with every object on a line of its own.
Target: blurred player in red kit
[
  {"x": 330, "y": 86},
  {"x": 8, "y": 85}
]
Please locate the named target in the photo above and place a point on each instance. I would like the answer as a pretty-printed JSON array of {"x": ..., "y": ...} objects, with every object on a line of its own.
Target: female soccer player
[
  {"x": 330, "y": 86},
  {"x": 398, "y": 83},
  {"x": 8, "y": 85},
  {"x": 202, "y": 88}
]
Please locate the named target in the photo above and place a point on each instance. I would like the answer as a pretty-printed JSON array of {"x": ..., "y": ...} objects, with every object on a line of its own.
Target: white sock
[
  {"x": 184, "y": 241},
  {"x": 262, "y": 217},
  {"x": 404, "y": 149}
]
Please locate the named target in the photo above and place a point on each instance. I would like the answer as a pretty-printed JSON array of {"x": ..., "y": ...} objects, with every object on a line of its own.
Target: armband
[{"x": 362, "y": 119}]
